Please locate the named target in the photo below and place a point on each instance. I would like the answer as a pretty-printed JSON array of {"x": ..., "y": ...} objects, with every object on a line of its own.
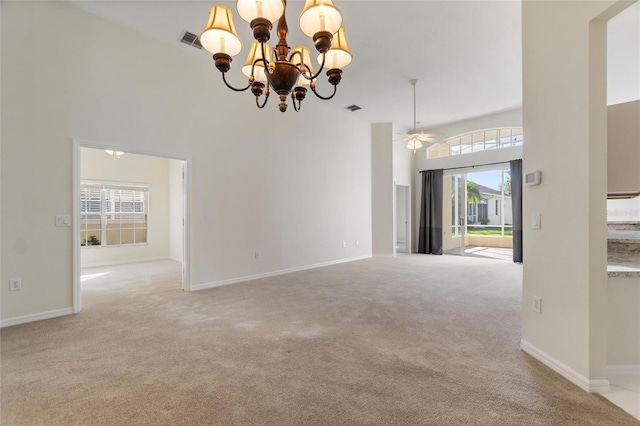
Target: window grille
[
  {"x": 113, "y": 214},
  {"x": 477, "y": 141}
]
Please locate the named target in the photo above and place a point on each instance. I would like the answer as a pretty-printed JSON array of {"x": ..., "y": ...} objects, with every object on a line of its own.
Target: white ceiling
[{"x": 466, "y": 55}]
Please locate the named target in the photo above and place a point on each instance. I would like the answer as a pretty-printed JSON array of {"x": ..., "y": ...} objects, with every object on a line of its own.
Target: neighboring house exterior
[{"x": 490, "y": 208}]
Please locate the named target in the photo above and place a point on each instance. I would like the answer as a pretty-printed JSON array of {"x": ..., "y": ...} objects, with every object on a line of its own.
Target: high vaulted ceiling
[{"x": 466, "y": 55}]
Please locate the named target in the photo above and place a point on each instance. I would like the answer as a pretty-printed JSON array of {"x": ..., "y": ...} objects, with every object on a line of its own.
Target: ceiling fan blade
[{"x": 427, "y": 138}]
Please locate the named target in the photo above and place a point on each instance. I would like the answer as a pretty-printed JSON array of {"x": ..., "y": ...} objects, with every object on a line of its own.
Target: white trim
[
  {"x": 125, "y": 262},
  {"x": 112, "y": 183},
  {"x": 221, "y": 283},
  {"x": 35, "y": 317},
  {"x": 77, "y": 294},
  {"x": 407, "y": 217},
  {"x": 394, "y": 231},
  {"x": 593, "y": 386},
  {"x": 623, "y": 370},
  {"x": 186, "y": 228}
]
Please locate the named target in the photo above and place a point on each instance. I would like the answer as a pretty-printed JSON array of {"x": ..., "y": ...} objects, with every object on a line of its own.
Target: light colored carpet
[{"x": 412, "y": 340}]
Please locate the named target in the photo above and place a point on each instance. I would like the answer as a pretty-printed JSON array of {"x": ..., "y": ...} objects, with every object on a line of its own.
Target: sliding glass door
[
  {"x": 478, "y": 219},
  {"x": 457, "y": 240}
]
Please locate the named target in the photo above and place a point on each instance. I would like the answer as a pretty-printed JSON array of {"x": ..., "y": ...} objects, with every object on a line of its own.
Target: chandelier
[{"x": 282, "y": 69}]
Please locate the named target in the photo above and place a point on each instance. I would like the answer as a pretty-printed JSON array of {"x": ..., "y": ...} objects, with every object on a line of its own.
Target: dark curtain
[
  {"x": 516, "y": 207},
  {"x": 430, "y": 236}
]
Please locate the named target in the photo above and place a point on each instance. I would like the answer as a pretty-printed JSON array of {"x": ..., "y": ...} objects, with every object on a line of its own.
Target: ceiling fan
[{"x": 415, "y": 138}]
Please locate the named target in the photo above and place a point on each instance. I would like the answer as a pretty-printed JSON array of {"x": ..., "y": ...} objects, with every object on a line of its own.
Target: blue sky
[{"x": 490, "y": 179}]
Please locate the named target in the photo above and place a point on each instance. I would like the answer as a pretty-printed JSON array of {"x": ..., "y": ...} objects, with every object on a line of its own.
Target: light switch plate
[
  {"x": 63, "y": 220},
  {"x": 535, "y": 221}
]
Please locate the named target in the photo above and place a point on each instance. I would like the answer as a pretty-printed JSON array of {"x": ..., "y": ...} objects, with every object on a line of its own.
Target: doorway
[
  {"x": 478, "y": 219},
  {"x": 129, "y": 207},
  {"x": 402, "y": 219}
]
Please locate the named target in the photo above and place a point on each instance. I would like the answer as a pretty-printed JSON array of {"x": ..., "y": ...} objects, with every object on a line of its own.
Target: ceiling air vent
[
  {"x": 353, "y": 108},
  {"x": 191, "y": 40}
]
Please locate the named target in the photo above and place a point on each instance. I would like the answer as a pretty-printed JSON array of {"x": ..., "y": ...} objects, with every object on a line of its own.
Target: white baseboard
[
  {"x": 35, "y": 317},
  {"x": 593, "y": 386},
  {"x": 623, "y": 370},
  {"x": 123, "y": 262},
  {"x": 221, "y": 283}
]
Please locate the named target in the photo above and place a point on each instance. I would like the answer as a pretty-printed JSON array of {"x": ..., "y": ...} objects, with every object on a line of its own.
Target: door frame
[
  {"x": 408, "y": 246},
  {"x": 186, "y": 212}
]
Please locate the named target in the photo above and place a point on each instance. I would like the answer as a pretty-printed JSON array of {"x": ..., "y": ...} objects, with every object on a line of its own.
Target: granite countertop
[{"x": 624, "y": 261}]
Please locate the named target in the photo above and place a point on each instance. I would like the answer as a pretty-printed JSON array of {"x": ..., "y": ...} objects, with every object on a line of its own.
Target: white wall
[
  {"x": 564, "y": 120},
  {"x": 253, "y": 188},
  {"x": 382, "y": 189},
  {"x": 623, "y": 56},
  {"x": 96, "y": 165},
  {"x": 402, "y": 162},
  {"x": 623, "y": 147},
  {"x": 623, "y": 307}
]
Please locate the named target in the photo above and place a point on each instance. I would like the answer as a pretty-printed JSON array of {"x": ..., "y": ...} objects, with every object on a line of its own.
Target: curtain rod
[{"x": 472, "y": 167}]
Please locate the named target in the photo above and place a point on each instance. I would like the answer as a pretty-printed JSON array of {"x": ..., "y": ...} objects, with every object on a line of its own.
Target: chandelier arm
[
  {"x": 296, "y": 52},
  {"x": 234, "y": 88},
  {"x": 293, "y": 101},
  {"x": 266, "y": 97},
  {"x": 316, "y": 74},
  {"x": 253, "y": 67},
  {"x": 325, "y": 98},
  {"x": 264, "y": 60}
]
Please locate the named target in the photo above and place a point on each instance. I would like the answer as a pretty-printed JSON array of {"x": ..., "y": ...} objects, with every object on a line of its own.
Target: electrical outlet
[
  {"x": 344, "y": 244},
  {"x": 15, "y": 284},
  {"x": 537, "y": 304},
  {"x": 357, "y": 242},
  {"x": 256, "y": 254}
]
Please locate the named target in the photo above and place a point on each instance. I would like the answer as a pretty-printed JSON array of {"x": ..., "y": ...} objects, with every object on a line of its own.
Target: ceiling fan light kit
[
  {"x": 115, "y": 154},
  {"x": 282, "y": 69}
]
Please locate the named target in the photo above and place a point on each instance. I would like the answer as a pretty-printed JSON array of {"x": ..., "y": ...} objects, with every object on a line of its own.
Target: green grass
[{"x": 492, "y": 231}]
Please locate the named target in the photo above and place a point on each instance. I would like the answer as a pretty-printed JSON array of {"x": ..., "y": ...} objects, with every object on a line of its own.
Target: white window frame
[
  {"x": 112, "y": 209},
  {"x": 478, "y": 141}
]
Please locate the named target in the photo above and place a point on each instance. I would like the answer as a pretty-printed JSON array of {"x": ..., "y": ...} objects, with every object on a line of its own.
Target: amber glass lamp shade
[
  {"x": 249, "y": 10},
  {"x": 256, "y": 53},
  {"x": 302, "y": 59},
  {"x": 320, "y": 16},
  {"x": 220, "y": 36},
  {"x": 339, "y": 55}
]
